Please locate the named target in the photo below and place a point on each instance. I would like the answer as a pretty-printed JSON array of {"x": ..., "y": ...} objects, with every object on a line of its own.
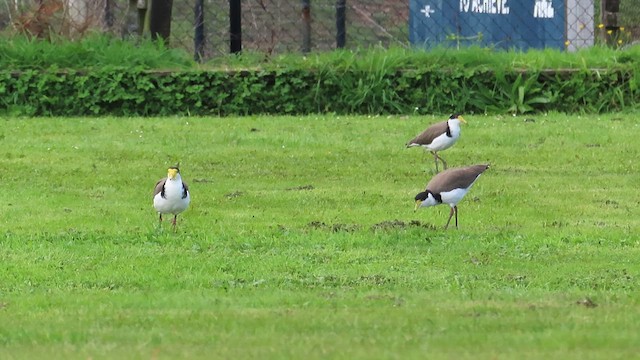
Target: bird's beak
[
  {"x": 418, "y": 203},
  {"x": 461, "y": 119}
]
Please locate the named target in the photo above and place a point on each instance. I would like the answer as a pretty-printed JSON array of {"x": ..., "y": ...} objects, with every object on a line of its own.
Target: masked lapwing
[
  {"x": 171, "y": 195},
  {"x": 439, "y": 136},
  {"x": 449, "y": 187}
]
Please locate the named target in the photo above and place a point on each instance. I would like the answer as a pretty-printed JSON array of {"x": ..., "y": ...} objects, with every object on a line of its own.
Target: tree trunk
[{"x": 84, "y": 15}]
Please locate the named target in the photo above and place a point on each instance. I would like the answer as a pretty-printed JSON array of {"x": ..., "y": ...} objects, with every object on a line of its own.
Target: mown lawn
[{"x": 301, "y": 240}]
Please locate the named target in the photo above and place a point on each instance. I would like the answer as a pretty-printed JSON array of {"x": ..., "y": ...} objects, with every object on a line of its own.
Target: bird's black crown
[
  {"x": 454, "y": 116},
  {"x": 422, "y": 196}
]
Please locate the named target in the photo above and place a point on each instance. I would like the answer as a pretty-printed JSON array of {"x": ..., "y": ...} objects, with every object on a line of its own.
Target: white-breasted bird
[
  {"x": 439, "y": 136},
  {"x": 171, "y": 195},
  {"x": 449, "y": 187}
]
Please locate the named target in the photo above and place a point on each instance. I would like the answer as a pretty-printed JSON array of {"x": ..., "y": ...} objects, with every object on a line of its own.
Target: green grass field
[{"x": 301, "y": 240}]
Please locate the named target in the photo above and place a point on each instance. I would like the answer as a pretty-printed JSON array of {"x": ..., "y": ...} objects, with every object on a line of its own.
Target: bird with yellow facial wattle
[
  {"x": 171, "y": 195},
  {"x": 438, "y": 137}
]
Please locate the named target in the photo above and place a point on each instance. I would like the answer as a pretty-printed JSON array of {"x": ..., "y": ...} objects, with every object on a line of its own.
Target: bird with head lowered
[
  {"x": 171, "y": 195},
  {"x": 438, "y": 137},
  {"x": 449, "y": 187}
]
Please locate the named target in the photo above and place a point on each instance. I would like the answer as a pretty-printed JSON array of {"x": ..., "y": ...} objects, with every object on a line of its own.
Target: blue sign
[{"x": 507, "y": 24}]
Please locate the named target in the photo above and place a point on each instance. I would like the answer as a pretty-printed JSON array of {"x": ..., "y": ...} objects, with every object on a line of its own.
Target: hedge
[{"x": 138, "y": 92}]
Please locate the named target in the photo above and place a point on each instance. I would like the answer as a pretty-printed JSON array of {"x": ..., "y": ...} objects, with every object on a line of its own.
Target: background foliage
[{"x": 270, "y": 27}]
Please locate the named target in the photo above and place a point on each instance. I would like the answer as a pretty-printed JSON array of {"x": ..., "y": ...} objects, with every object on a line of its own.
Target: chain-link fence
[{"x": 213, "y": 27}]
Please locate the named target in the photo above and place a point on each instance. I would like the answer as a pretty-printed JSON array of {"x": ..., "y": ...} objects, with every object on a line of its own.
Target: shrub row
[{"x": 139, "y": 92}]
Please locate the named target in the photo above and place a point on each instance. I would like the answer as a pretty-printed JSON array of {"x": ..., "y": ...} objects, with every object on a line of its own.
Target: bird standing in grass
[
  {"x": 171, "y": 195},
  {"x": 449, "y": 187},
  {"x": 438, "y": 137}
]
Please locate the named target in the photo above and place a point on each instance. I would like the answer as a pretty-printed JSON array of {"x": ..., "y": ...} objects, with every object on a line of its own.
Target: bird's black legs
[
  {"x": 173, "y": 222},
  {"x": 436, "y": 157},
  {"x": 444, "y": 163},
  {"x": 456, "y": 211},
  {"x": 449, "y": 220}
]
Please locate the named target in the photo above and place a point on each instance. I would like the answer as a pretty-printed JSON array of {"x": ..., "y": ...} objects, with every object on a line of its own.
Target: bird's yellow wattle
[
  {"x": 461, "y": 119},
  {"x": 418, "y": 203},
  {"x": 171, "y": 173}
]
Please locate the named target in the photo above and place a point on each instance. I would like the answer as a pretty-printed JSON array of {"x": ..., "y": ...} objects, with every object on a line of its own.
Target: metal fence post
[
  {"x": 160, "y": 19},
  {"x": 341, "y": 21},
  {"x": 609, "y": 15},
  {"x": 198, "y": 36},
  {"x": 306, "y": 26},
  {"x": 235, "y": 26}
]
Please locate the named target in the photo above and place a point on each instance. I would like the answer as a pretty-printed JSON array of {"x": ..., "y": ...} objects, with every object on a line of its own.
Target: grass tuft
[
  {"x": 20, "y": 53},
  {"x": 96, "y": 51}
]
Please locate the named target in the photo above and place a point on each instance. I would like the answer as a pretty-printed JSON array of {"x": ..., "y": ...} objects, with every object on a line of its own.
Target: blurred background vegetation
[{"x": 268, "y": 26}]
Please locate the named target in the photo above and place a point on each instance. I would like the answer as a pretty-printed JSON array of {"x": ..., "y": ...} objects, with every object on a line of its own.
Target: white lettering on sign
[
  {"x": 485, "y": 6},
  {"x": 543, "y": 9},
  {"x": 464, "y": 5},
  {"x": 427, "y": 11}
]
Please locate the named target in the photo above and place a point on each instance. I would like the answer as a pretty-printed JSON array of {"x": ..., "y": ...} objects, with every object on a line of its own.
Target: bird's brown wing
[
  {"x": 458, "y": 178},
  {"x": 432, "y": 132},
  {"x": 159, "y": 187}
]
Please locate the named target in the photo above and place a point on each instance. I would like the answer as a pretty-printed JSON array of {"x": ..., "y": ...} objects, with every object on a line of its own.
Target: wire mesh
[{"x": 280, "y": 26}]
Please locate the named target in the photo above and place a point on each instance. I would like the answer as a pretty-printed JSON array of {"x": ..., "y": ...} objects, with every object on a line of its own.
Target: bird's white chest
[
  {"x": 443, "y": 141},
  {"x": 454, "y": 196},
  {"x": 173, "y": 201}
]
